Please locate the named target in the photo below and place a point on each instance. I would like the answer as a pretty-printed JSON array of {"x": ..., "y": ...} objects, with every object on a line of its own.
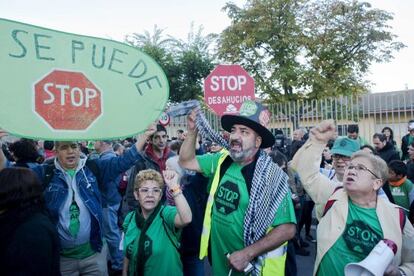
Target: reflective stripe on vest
[
  {"x": 273, "y": 263},
  {"x": 205, "y": 235}
]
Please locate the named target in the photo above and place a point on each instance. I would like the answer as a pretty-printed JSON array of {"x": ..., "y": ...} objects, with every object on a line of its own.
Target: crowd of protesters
[{"x": 158, "y": 206}]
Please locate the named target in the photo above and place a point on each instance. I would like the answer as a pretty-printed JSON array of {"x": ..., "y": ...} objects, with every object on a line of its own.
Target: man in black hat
[{"x": 238, "y": 207}]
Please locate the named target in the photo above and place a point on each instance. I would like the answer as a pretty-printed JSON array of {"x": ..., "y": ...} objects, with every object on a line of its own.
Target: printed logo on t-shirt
[
  {"x": 147, "y": 247},
  {"x": 397, "y": 192},
  {"x": 360, "y": 237},
  {"x": 227, "y": 198}
]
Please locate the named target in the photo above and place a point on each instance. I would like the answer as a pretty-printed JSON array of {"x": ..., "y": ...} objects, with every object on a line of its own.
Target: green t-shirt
[
  {"x": 400, "y": 194},
  {"x": 73, "y": 210},
  {"x": 362, "y": 232},
  {"x": 163, "y": 257},
  {"x": 84, "y": 250},
  {"x": 229, "y": 207}
]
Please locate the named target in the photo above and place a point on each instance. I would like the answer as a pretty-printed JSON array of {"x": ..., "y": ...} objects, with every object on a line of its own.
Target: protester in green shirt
[
  {"x": 401, "y": 187},
  {"x": 355, "y": 217},
  {"x": 248, "y": 175},
  {"x": 152, "y": 231}
]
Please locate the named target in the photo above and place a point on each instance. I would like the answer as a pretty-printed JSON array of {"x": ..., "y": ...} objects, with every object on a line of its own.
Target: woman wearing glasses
[
  {"x": 152, "y": 231},
  {"x": 355, "y": 218}
]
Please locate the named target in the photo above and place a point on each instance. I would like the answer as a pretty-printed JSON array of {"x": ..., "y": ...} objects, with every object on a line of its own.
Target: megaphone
[{"x": 376, "y": 262}]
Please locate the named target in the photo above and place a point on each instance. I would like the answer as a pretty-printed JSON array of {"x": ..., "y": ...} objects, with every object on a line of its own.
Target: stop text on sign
[
  {"x": 227, "y": 87},
  {"x": 77, "y": 96},
  {"x": 67, "y": 100},
  {"x": 224, "y": 83}
]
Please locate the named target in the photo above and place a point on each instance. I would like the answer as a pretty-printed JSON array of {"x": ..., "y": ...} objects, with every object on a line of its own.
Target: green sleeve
[
  {"x": 169, "y": 213},
  {"x": 286, "y": 212},
  {"x": 208, "y": 163}
]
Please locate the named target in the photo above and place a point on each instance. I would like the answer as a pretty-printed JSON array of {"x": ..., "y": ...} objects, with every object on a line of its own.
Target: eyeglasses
[
  {"x": 339, "y": 156},
  {"x": 155, "y": 191},
  {"x": 360, "y": 167}
]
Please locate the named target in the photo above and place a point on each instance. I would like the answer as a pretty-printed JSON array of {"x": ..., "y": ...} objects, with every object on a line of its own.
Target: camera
[{"x": 281, "y": 142}]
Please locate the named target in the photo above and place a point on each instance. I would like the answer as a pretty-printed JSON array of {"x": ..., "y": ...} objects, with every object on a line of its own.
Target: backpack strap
[
  {"x": 167, "y": 229},
  {"x": 93, "y": 167},
  {"x": 49, "y": 170},
  {"x": 330, "y": 202},
  {"x": 403, "y": 218}
]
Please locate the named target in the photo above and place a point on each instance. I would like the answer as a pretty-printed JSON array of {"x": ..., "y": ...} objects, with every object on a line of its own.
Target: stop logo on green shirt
[{"x": 362, "y": 232}]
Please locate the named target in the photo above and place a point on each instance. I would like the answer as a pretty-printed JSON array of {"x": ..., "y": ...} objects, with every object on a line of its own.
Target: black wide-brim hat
[{"x": 253, "y": 115}]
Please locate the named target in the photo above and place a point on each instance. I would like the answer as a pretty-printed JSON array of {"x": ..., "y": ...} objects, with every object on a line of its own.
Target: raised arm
[
  {"x": 187, "y": 152},
  {"x": 306, "y": 163},
  {"x": 184, "y": 215}
]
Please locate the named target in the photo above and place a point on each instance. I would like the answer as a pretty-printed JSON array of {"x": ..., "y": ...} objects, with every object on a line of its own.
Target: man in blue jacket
[
  {"x": 111, "y": 200},
  {"x": 74, "y": 201}
]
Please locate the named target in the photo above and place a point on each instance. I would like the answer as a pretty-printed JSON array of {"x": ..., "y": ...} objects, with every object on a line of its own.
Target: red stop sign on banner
[
  {"x": 227, "y": 87},
  {"x": 67, "y": 100}
]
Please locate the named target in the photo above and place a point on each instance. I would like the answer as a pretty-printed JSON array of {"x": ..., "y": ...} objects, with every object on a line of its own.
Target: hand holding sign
[
  {"x": 3, "y": 133},
  {"x": 191, "y": 119},
  {"x": 227, "y": 87},
  {"x": 152, "y": 128}
]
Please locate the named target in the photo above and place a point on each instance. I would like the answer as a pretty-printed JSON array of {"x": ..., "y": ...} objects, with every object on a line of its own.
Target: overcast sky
[{"x": 115, "y": 19}]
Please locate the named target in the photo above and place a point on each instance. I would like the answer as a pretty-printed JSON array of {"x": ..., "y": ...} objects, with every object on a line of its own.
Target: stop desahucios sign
[
  {"x": 227, "y": 87},
  {"x": 67, "y": 100}
]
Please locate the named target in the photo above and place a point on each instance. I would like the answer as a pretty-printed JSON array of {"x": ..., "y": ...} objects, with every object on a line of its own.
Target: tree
[
  {"x": 342, "y": 39},
  {"x": 185, "y": 63},
  {"x": 195, "y": 62},
  {"x": 311, "y": 48},
  {"x": 264, "y": 38},
  {"x": 160, "y": 49}
]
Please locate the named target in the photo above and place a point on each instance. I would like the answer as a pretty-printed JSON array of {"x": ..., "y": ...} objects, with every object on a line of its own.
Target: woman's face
[
  {"x": 387, "y": 133},
  {"x": 327, "y": 153},
  {"x": 215, "y": 147},
  {"x": 360, "y": 177},
  {"x": 148, "y": 195}
]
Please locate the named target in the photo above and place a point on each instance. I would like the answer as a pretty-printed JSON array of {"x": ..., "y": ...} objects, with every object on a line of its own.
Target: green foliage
[
  {"x": 307, "y": 49},
  {"x": 185, "y": 63}
]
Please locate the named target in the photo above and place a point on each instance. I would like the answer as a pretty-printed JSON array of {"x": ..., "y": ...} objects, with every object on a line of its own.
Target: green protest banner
[{"x": 61, "y": 86}]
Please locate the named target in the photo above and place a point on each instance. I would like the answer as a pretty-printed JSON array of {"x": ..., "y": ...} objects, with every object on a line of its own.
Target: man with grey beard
[{"x": 236, "y": 176}]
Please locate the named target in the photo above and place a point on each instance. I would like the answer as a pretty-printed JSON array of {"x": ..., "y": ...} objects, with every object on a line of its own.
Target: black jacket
[
  {"x": 404, "y": 146},
  {"x": 29, "y": 245},
  {"x": 410, "y": 170},
  {"x": 388, "y": 153}
]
